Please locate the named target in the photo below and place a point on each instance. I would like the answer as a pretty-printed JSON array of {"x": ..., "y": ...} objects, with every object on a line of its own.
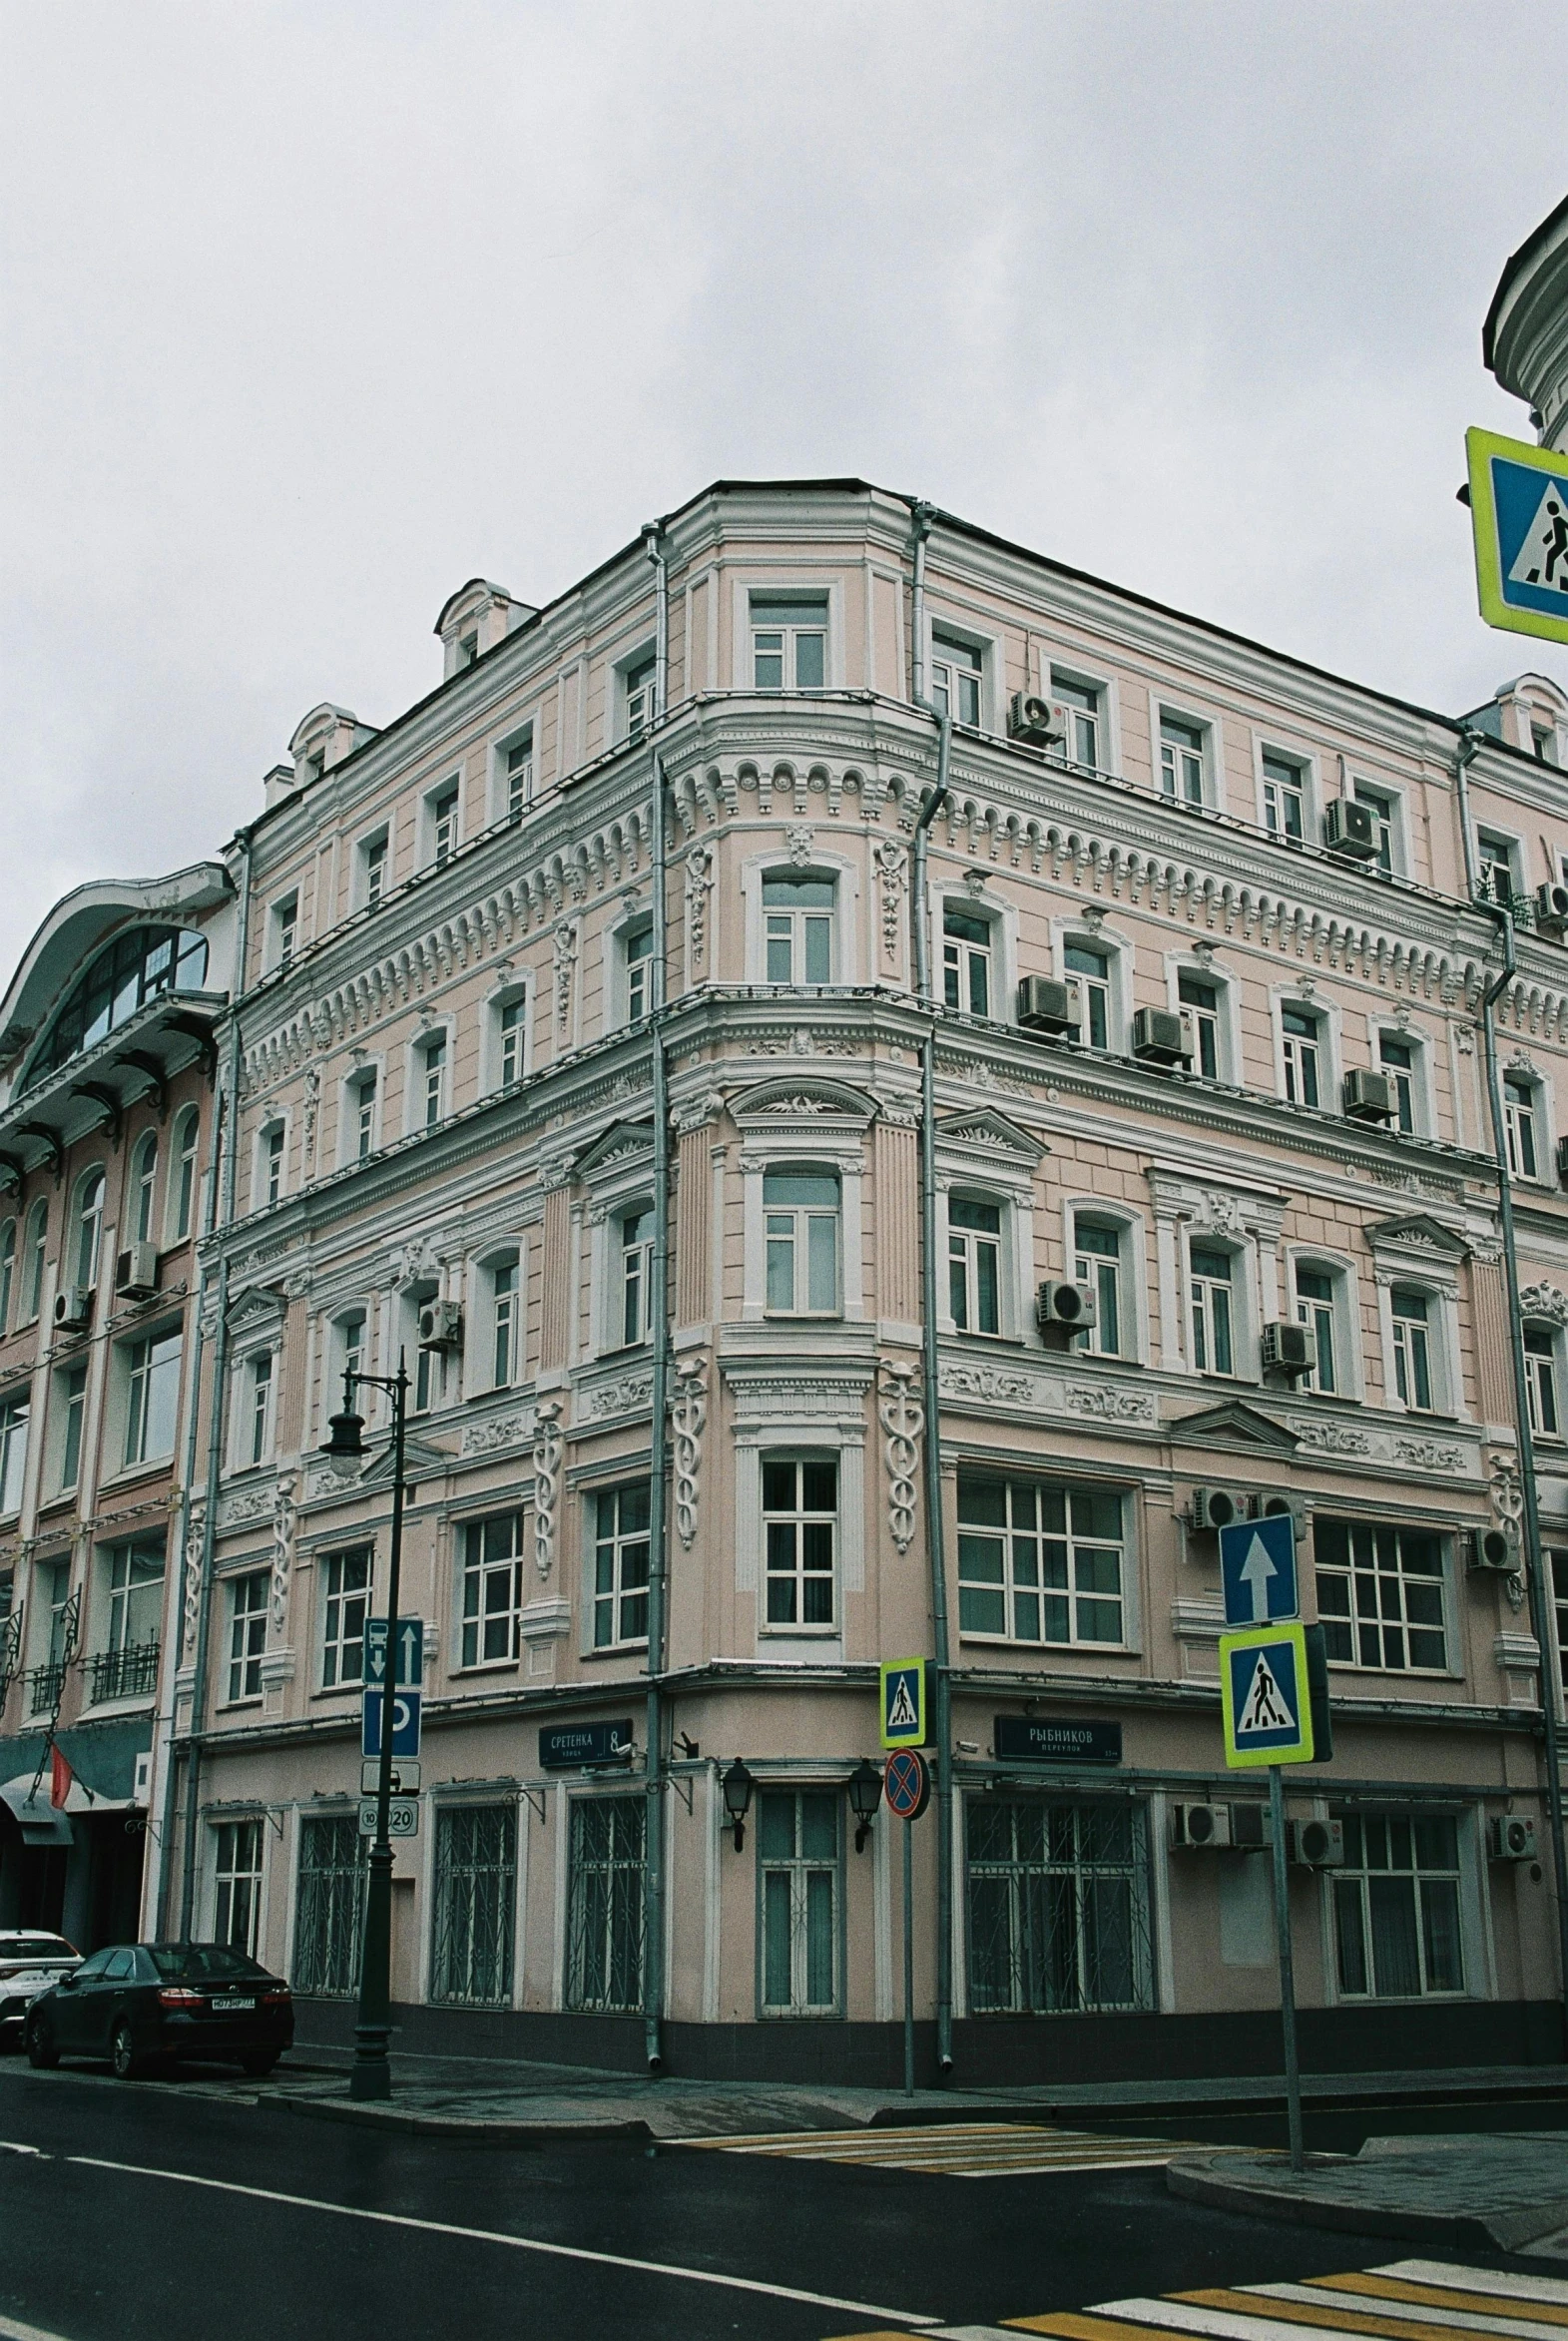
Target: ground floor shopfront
[
  {"x": 1088, "y": 1941},
  {"x": 73, "y": 1840}
]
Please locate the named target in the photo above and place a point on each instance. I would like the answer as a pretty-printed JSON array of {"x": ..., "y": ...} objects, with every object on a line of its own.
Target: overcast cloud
[{"x": 312, "y": 312}]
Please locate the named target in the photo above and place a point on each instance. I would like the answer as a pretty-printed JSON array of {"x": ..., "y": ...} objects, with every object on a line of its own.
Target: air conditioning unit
[
  {"x": 1492, "y": 1549},
  {"x": 1315, "y": 1845},
  {"x": 1160, "y": 1038},
  {"x": 1034, "y": 720},
  {"x": 1551, "y": 912},
  {"x": 1351, "y": 829},
  {"x": 73, "y": 1306},
  {"x": 440, "y": 1324},
  {"x": 135, "y": 1272},
  {"x": 1218, "y": 1507},
  {"x": 1368, "y": 1097},
  {"x": 142, "y": 1783},
  {"x": 1270, "y": 1508},
  {"x": 1286, "y": 1348},
  {"x": 1249, "y": 1826},
  {"x": 1510, "y": 1839},
  {"x": 1200, "y": 1826},
  {"x": 1044, "y": 1005},
  {"x": 1065, "y": 1308}
]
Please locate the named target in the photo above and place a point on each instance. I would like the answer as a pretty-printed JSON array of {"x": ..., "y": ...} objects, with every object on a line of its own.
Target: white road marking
[
  {"x": 11, "y": 2329},
  {"x": 1217, "y": 2324},
  {"x": 10, "y": 2145},
  {"x": 1462, "y": 2279},
  {"x": 1378, "y": 2304},
  {"x": 560, "y": 2251}
]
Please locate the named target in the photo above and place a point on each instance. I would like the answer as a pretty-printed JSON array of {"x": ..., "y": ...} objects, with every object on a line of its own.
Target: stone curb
[
  {"x": 456, "y": 2125},
  {"x": 1208, "y": 2181}
]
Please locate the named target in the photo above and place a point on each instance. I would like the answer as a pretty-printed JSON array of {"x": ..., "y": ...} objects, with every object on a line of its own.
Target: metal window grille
[
  {"x": 1397, "y": 1906},
  {"x": 131, "y": 1673},
  {"x": 330, "y": 1908},
  {"x": 1381, "y": 1594},
  {"x": 476, "y": 1898},
  {"x": 1058, "y": 1907},
  {"x": 44, "y": 1685},
  {"x": 604, "y": 1957}
]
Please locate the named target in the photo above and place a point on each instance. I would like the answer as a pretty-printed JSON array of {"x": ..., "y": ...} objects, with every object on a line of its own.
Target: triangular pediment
[
  {"x": 624, "y": 1141},
  {"x": 263, "y": 1304},
  {"x": 1417, "y": 1230},
  {"x": 1234, "y": 1423},
  {"x": 422, "y": 1459},
  {"x": 986, "y": 1128}
]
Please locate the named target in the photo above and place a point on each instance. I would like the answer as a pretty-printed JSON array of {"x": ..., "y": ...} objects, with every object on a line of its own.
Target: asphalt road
[{"x": 155, "y": 2210}]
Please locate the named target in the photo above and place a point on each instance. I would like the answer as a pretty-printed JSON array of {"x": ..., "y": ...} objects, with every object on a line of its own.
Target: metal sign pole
[
  {"x": 908, "y": 1959},
  {"x": 1281, "y": 1914}
]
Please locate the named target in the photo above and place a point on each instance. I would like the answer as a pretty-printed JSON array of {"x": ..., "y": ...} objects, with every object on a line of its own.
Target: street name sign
[
  {"x": 906, "y": 1784},
  {"x": 1518, "y": 495},
  {"x": 405, "y": 1776},
  {"x": 905, "y": 1723},
  {"x": 402, "y": 1815},
  {"x": 1258, "y": 1570},
  {"x": 411, "y": 1651},
  {"x": 1054, "y": 1739},
  {"x": 573, "y": 1746},
  {"x": 1264, "y": 1696},
  {"x": 405, "y": 1723}
]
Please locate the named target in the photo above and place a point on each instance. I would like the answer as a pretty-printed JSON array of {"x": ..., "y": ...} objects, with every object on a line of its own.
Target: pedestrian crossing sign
[
  {"x": 1519, "y": 514},
  {"x": 1264, "y": 1696},
  {"x": 903, "y": 1703}
]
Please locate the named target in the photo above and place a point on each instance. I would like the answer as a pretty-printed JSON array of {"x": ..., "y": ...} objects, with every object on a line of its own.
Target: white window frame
[
  {"x": 15, "y": 1429},
  {"x": 963, "y": 1250},
  {"x": 1343, "y": 1305},
  {"x": 1526, "y": 1138},
  {"x": 1242, "y": 1331},
  {"x": 804, "y": 1218},
  {"x": 1417, "y": 1075},
  {"x": 636, "y": 711},
  {"x": 804, "y": 583},
  {"x": 797, "y": 1145},
  {"x": 343, "y": 1353},
  {"x": 135, "y": 1402},
  {"x": 838, "y": 868},
  {"x": 799, "y": 935},
  {"x": 615, "y": 1545},
  {"x": 1327, "y": 1014},
  {"x": 1162, "y": 710},
  {"x": 1269, "y": 748},
  {"x": 178, "y": 1204},
  {"x": 284, "y": 936},
  {"x": 481, "y": 1572},
  {"x": 87, "y": 1248},
  {"x": 1511, "y": 859},
  {"x": 1388, "y": 810},
  {"x": 800, "y": 1455},
  {"x": 143, "y": 1191},
  {"x": 524, "y": 733},
  {"x": 428, "y": 1367},
  {"x": 237, "y": 1830},
  {"x": 1114, "y": 947},
  {"x": 944, "y": 638},
  {"x": 1002, "y": 921},
  {"x": 246, "y": 1648},
  {"x": 440, "y": 837},
  {"x": 514, "y": 993},
  {"x": 1019, "y": 1474},
  {"x": 1057, "y": 675},
  {"x": 373, "y": 1074},
  {"x": 1543, "y": 1374},
  {"x": 64, "y": 1402},
  {"x": 262, "y": 1197},
  {"x": 418, "y": 1093},
  {"x": 244, "y": 1407},
  {"x": 1224, "y": 985},
  {"x": 505, "y": 1314},
  {"x": 10, "y": 1265},
  {"x": 1131, "y": 1276},
  {"x": 626, "y": 1262},
  {"x": 35, "y": 1261},
  {"x": 341, "y": 1608},
  {"x": 366, "y": 893},
  {"x": 1439, "y": 1354},
  {"x": 807, "y": 600}
]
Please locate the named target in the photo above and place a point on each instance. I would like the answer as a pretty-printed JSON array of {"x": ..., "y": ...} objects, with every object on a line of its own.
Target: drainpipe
[
  {"x": 931, "y": 1445},
  {"x": 220, "y": 1215},
  {"x": 659, "y": 1333},
  {"x": 1534, "y": 1573}
]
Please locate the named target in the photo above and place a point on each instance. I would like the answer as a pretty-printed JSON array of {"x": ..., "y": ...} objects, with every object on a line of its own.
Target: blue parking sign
[
  {"x": 1258, "y": 1570},
  {"x": 405, "y": 1723}
]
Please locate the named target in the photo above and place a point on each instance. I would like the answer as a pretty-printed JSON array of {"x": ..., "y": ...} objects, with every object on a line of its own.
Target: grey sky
[{"x": 312, "y": 312}]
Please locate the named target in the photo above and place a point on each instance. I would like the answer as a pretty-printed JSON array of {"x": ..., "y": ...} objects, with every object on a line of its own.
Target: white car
[{"x": 29, "y": 1962}]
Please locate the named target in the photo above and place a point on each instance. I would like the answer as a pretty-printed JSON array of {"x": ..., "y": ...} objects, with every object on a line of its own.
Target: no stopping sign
[{"x": 906, "y": 1784}]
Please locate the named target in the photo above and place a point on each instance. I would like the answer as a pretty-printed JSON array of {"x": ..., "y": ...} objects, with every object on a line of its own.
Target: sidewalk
[{"x": 1499, "y": 2192}]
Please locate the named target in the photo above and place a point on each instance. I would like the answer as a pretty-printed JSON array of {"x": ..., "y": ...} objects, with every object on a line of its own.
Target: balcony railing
[
  {"x": 131, "y": 1673},
  {"x": 43, "y": 1689}
]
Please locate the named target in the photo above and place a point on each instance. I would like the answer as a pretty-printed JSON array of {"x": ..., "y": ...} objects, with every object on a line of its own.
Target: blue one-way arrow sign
[
  {"x": 1258, "y": 1567},
  {"x": 411, "y": 1651}
]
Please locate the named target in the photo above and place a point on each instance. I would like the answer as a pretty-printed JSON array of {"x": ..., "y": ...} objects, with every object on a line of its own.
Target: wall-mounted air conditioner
[
  {"x": 1315, "y": 1845},
  {"x": 135, "y": 1272},
  {"x": 440, "y": 1324},
  {"x": 1368, "y": 1097},
  {"x": 1200, "y": 1827},
  {"x": 1510, "y": 1838},
  {"x": 73, "y": 1306},
  {"x": 1214, "y": 1508},
  {"x": 1034, "y": 721},
  {"x": 1044, "y": 1005},
  {"x": 1160, "y": 1038},
  {"x": 1551, "y": 912},
  {"x": 1286, "y": 1348},
  {"x": 1065, "y": 1308},
  {"x": 1351, "y": 829},
  {"x": 1492, "y": 1549}
]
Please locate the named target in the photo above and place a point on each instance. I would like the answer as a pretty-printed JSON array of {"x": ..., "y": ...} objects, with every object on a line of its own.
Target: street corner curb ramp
[{"x": 1478, "y": 2202}]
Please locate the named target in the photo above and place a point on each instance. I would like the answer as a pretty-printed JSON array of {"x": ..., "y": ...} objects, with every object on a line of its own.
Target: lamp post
[
  {"x": 737, "y": 1787},
  {"x": 372, "y": 2075}
]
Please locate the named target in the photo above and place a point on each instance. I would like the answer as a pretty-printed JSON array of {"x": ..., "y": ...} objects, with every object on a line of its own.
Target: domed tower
[{"x": 1525, "y": 337}]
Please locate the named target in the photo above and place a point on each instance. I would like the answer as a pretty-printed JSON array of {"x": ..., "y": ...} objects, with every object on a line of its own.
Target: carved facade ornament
[
  {"x": 195, "y": 1537},
  {"x": 312, "y": 1112},
  {"x": 699, "y": 884},
  {"x": 988, "y": 1383},
  {"x": 565, "y": 961},
  {"x": 625, "y": 1397},
  {"x": 284, "y": 1514},
  {"x": 688, "y": 1414},
  {"x": 1330, "y": 1437},
  {"x": 1545, "y": 1301},
  {"x": 902, "y": 1419},
  {"x": 1507, "y": 1501},
  {"x": 1105, "y": 1403},
  {"x": 1427, "y": 1454},
  {"x": 800, "y": 840},
  {"x": 892, "y": 864},
  {"x": 501, "y": 1430},
  {"x": 1464, "y": 1039},
  {"x": 547, "y": 1446},
  {"x": 974, "y": 882}
]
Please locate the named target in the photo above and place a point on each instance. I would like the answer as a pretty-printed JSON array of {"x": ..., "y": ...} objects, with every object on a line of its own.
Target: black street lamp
[
  {"x": 737, "y": 1786},
  {"x": 865, "y": 1794},
  {"x": 371, "y": 2074}
]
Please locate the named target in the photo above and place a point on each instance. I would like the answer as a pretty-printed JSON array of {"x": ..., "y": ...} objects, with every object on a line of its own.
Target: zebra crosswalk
[
  {"x": 1407, "y": 2300},
  {"x": 958, "y": 2149}
]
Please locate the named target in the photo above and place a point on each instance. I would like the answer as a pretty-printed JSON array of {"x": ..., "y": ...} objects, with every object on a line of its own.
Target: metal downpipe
[{"x": 658, "y": 1437}]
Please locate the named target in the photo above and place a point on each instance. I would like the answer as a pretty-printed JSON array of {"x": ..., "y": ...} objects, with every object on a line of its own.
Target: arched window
[
  {"x": 7, "y": 1270},
  {"x": 143, "y": 1180},
  {"x": 37, "y": 1245},
  {"x": 89, "y": 1228},
  {"x": 134, "y": 968},
  {"x": 182, "y": 1215}
]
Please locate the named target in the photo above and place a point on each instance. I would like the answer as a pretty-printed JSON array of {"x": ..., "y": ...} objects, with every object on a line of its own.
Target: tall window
[
  {"x": 1381, "y": 809},
  {"x": 246, "y": 1635},
  {"x": 259, "y": 1409},
  {"x": 1412, "y": 1348},
  {"x": 492, "y": 1589},
  {"x": 73, "y": 1394},
  {"x": 620, "y": 1565},
  {"x": 153, "y": 1398},
  {"x": 798, "y": 917},
  {"x": 443, "y": 824},
  {"x": 801, "y": 1211},
  {"x": 1301, "y": 1039},
  {"x": 7, "y": 1271},
  {"x": 350, "y": 1345},
  {"x": 127, "y": 1666},
  {"x": 604, "y": 1919},
  {"x": 475, "y": 1901},
  {"x": 12, "y": 1452},
  {"x": 1381, "y": 1594},
  {"x": 345, "y": 1603},
  {"x": 1098, "y": 1264},
  {"x": 505, "y": 1301},
  {"x": 513, "y": 1029},
  {"x": 89, "y": 1229},
  {"x": 1397, "y": 1058},
  {"x": 363, "y": 1106},
  {"x": 974, "y": 1264},
  {"x": 1494, "y": 867},
  {"x": 272, "y": 1163},
  {"x": 285, "y": 933},
  {"x": 1559, "y": 1567},
  {"x": 37, "y": 1245},
  {"x": 331, "y": 1906},
  {"x": 1058, "y": 1907},
  {"x": 1397, "y": 1906},
  {"x": 1285, "y": 796},
  {"x": 1082, "y": 702},
  {"x": 788, "y": 642},
  {"x": 1092, "y": 967},
  {"x": 637, "y": 970},
  {"x": 429, "y": 1365},
  {"x": 520, "y": 776},
  {"x": 373, "y": 866},
  {"x": 1315, "y": 1310},
  {"x": 800, "y": 1530},
  {"x": 1214, "y": 1344},
  {"x": 957, "y": 677},
  {"x": 966, "y": 960},
  {"x": 188, "y": 1131},
  {"x": 145, "y": 1178},
  {"x": 1540, "y": 1380},
  {"x": 637, "y": 1272},
  {"x": 640, "y": 686},
  {"x": 1201, "y": 999},
  {"x": 432, "y": 1079},
  {"x": 1039, "y": 1563},
  {"x": 1519, "y": 1119},
  {"x": 236, "y": 1915},
  {"x": 1181, "y": 760},
  {"x": 798, "y": 1848}
]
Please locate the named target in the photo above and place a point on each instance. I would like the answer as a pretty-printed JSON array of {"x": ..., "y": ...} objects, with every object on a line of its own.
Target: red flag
[{"x": 61, "y": 1777}]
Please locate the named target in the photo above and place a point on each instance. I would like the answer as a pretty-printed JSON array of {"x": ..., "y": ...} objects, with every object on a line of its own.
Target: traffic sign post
[
  {"x": 405, "y": 1724},
  {"x": 1518, "y": 498},
  {"x": 411, "y": 1651},
  {"x": 906, "y": 1721},
  {"x": 1258, "y": 1570},
  {"x": 906, "y": 1784},
  {"x": 402, "y": 1815}
]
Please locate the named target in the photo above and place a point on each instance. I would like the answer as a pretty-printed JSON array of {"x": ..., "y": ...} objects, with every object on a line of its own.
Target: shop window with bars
[
  {"x": 1058, "y": 1907},
  {"x": 236, "y": 1907},
  {"x": 1397, "y": 1906},
  {"x": 798, "y": 1852},
  {"x": 603, "y": 1953},
  {"x": 1381, "y": 1596},
  {"x": 1040, "y": 1564},
  {"x": 476, "y": 1898},
  {"x": 330, "y": 1907}
]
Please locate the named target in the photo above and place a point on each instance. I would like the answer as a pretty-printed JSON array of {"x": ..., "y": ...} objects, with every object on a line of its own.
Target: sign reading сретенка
[{"x": 571, "y": 1747}]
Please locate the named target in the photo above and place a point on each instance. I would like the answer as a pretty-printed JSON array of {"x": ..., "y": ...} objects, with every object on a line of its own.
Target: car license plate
[{"x": 232, "y": 2006}]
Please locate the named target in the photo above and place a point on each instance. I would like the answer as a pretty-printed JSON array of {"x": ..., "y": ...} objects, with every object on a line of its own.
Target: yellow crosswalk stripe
[
  {"x": 1326, "y": 2316},
  {"x": 1441, "y": 2297},
  {"x": 1078, "y": 2325},
  {"x": 1478, "y": 2303},
  {"x": 1491, "y": 2281}
]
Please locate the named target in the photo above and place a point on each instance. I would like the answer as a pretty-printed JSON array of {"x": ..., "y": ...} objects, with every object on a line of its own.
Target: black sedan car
[{"x": 144, "y": 2005}]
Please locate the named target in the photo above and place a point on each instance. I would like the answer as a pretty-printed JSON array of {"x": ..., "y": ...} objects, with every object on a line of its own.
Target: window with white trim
[
  {"x": 1040, "y": 1561},
  {"x": 13, "y": 1450},
  {"x": 143, "y": 1182},
  {"x": 797, "y": 917},
  {"x": 800, "y": 1855},
  {"x": 802, "y": 1212},
  {"x": 1558, "y": 1560},
  {"x": 637, "y": 970},
  {"x": 72, "y": 1386},
  {"x": 968, "y": 948},
  {"x": 284, "y": 932},
  {"x": 1300, "y": 1045},
  {"x": 348, "y": 1342},
  {"x": 505, "y": 1324},
  {"x": 974, "y": 1264},
  {"x": 799, "y": 1538},
  {"x": 620, "y": 1550},
  {"x": 258, "y": 1429},
  {"x": 1385, "y": 814},
  {"x": 789, "y": 641},
  {"x": 89, "y": 1228},
  {"x": 429, "y": 1379},
  {"x": 1082, "y": 701},
  {"x": 188, "y": 1136},
  {"x": 133, "y": 1578},
  {"x": 492, "y": 1589},
  {"x": 957, "y": 678},
  {"x": 1496, "y": 870},
  {"x": 511, "y": 1032},
  {"x": 1181, "y": 760},
  {"x": 1058, "y": 1905},
  {"x": 345, "y": 1604},
  {"x": 1213, "y": 1321},
  {"x": 237, "y": 1908},
  {"x": 1540, "y": 1379},
  {"x": 1097, "y": 1263},
  {"x": 635, "y": 1247},
  {"x": 151, "y": 1397},
  {"x": 272, "y": 1140},
  {"x": 441, "y": 816},
  {"x": 638, "y": 695},
  {"x": 1091, "y": 964},
  {"x": 1519, "y": 1102},
  {"x": 7, "y": 1271},
  {"x": 430, "y": 1060},
  {"x": 374, "y": 861},
  {"x": 518, "y": 774},
  {"x": 1199, "y": 996},
  {"x": 1397, "y": 1933},
  {"x": 1414, "y": 1380},
  {"x": 246, "y": 1633},
  {"x": 362, "y": 1092},
  {"x": 1381, "y": 1596},
  {"x": 1285, "y": 798},
  {"x": 1397, "y": 1057},
  {"x": 37, "y": 1246},
  {"x": 1317, "y": 1307}
]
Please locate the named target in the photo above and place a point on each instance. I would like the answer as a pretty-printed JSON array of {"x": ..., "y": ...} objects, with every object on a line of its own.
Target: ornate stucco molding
[{"x": 903, "y": 1420}]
